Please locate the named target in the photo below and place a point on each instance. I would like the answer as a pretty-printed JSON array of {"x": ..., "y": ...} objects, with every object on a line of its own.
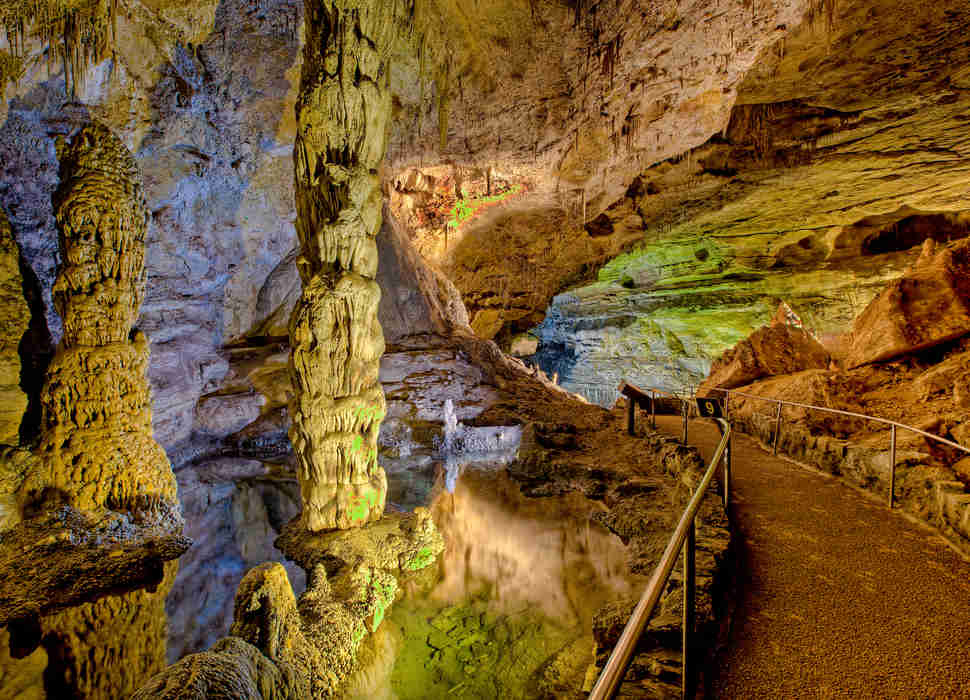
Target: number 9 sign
[{"x": 709, "y": 408}]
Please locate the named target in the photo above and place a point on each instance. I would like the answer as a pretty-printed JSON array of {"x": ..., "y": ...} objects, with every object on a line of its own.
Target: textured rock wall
[
  {"x": 106, "y": 649},
  {"x": 14, "y": 320},
  {"x": 846, "y": 150}
]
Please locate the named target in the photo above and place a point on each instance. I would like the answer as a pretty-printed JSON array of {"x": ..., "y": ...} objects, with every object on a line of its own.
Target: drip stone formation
[
  {"x": 96, "y": 448},
  {"x": 337, "y": 340}
]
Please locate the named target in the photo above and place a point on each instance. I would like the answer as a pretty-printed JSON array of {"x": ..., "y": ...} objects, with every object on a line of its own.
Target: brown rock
[
  {"x": 929, "y": 306},
  {"x": 779, "y": 348},
  {"x": 944, "y": 377},
  {"x": 961, "y": 434},
  {"x": 962, "y": 469},
  {"x": 14, "y": 317}
]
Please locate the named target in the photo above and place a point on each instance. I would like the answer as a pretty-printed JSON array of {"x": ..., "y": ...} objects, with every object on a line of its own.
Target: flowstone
[{"x": 342, "y": 114}]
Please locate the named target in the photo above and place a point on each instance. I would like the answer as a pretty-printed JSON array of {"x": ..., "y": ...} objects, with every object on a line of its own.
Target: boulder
[
  {"x": 927, "y": 306},
  {"x": 778, "y": 348},
  {"x": 945, "y": 377}
]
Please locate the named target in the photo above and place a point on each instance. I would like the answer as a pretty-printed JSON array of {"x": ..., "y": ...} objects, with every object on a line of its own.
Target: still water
[{"x": 507, "y": 612}]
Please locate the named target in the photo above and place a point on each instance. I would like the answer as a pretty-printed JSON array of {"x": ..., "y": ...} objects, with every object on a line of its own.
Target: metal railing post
[
  {"x": 892, "y": 469},
  {"x": 728, "y": 456},
  {"x": 653, "y": 409},
  {"x": 616, "y": 666},
  {"x": 683, "y": 408},
  {"x": 631, "y": 416},
  {"x": 687, "y": 628},
  {"x": 774, "y": 449}
]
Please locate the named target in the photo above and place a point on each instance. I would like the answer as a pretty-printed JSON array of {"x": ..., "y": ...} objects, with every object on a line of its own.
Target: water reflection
[
  {"x": 543, "y": 552},
  {"x": 509, "y": 611}
]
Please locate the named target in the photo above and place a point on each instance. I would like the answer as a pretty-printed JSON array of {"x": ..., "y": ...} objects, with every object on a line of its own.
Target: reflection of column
[
  {"x": 96, "y": 447},
  {"x": 337, "y": 341}
]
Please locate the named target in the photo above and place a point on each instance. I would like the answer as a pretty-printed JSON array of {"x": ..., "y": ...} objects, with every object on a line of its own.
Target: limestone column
[
  {"x": 96, "y": 447},
  {"x": 342, "y": 116}
]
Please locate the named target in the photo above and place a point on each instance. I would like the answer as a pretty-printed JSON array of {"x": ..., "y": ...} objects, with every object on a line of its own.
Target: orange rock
[
  {"x": 927, "y": 306},
  {"x": 779, "y": 348}
]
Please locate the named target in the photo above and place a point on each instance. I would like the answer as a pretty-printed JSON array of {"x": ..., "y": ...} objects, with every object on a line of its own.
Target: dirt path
[{"x": 837, "y": 596}]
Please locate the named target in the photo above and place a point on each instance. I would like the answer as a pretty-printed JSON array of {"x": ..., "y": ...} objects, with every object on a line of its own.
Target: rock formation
[
  {"x": 337, "y": 341},
  {"x": 286, "y": 649},
  {"x": 14, "y": 319},
  {"x": 96, "y": 447},
  {"x": 927, "y": 306},
  {"x": 778, "y": 348}
]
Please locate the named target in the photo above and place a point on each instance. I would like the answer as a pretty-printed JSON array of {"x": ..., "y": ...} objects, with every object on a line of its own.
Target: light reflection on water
[{"x": 518, "y": 583}]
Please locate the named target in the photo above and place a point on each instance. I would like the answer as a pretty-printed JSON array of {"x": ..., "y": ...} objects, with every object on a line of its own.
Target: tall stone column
[
  {"x": 342, "y": 116},
  {"x": 96, "y": 447}
]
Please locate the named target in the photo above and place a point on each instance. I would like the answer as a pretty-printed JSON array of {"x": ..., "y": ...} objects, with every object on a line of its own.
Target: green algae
[
  {"x": 665, "y": 260},
  {"x": 473, "y": 650}
]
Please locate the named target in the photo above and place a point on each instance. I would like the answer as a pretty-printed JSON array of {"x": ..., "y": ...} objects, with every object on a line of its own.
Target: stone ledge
[{"x": 64, "y": 558}]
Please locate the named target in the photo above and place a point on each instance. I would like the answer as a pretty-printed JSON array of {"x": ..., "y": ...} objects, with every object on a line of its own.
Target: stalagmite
[
  {"x": 342, "y": 113},
  {"x": 96, "y": 447}
]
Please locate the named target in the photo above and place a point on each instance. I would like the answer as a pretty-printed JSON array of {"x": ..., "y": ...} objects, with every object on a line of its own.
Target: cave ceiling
[{"x": 761, "y": 143}]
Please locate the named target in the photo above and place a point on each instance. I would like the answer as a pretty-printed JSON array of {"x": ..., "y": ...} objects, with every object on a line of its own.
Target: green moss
[
  {"x": 473, "y": 650},
  {"x": 358, "y": 635},
  {"x": 361, "y": 505},
  {"x": 424, "y": 557},
  {"x": 464, "y": 210},
  {"x": 665, "y": 260}
]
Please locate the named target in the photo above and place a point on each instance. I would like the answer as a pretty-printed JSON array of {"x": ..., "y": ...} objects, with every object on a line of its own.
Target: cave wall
[{"x": 847, "y": 149}]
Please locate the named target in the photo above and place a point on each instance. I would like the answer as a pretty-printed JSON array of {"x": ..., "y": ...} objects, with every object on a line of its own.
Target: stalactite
[
  {"x": 443, "y": 98},
  {"x": 342, "y": 113},
  {"x": 83, "y": 30},
  {"x": 11, "y": 70}
]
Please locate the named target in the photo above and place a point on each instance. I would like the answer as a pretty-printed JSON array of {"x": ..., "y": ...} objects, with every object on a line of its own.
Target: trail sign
[{"x": 709, "y": 408}]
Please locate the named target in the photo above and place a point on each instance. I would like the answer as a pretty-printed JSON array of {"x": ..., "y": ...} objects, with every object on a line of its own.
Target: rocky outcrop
[
  {"x": 336, "y": 337},
  {"x": 287, "y": 649},
  {"x": 779, "y": 348},
  {"x": 926, "y": 307},
  {"x": 828, "y": 176},
  {"x": 96, "y": 447}
]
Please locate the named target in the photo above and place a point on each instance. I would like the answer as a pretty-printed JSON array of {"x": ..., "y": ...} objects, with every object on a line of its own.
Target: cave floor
[{"x": 836, "y": 596}]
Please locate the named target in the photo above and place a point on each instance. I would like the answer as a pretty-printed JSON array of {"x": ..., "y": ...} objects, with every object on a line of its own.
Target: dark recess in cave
[
  {"x": 600, "y": 226},
  {"x": 913, "y": 230}
]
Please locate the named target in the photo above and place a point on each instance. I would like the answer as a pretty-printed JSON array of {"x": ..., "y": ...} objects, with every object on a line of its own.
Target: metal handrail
[
  {"x": 683, "y": 538},
  {"x": 886, "y": 421}
]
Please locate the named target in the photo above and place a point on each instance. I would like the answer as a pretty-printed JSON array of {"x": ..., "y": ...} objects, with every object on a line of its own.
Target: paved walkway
[{"x": 837, "y": 596}]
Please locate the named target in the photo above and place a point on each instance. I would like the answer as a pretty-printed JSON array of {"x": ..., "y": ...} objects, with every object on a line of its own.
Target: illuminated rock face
[
  {"x": 337, "y": 341},
  {"x": 96, "y": 447},
  {"x": 14, "y": 317}
]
